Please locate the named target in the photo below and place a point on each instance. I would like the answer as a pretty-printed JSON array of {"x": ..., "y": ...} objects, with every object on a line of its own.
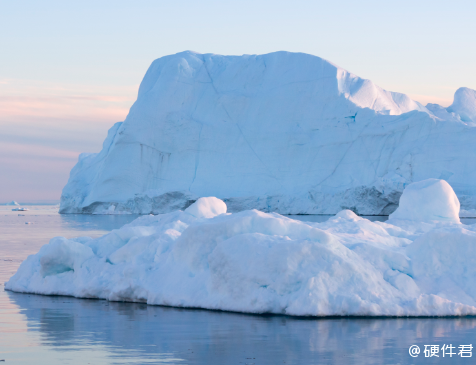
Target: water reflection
[{"x": 152, "y": 334}]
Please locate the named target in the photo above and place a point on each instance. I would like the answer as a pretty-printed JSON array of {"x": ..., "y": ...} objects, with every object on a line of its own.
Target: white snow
[
  {"x": 284, "y": 132},
  {"x": 464, "y": 104},
  {"x": 259, "y": 262},
  {"x": 428, "y": 201},
  {"x": 207, "y": 208}
]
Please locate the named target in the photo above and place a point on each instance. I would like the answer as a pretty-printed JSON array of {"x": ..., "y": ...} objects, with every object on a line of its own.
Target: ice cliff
[
  {"x": 284, "y": 132},
  {"x": 421, "y": 262}
]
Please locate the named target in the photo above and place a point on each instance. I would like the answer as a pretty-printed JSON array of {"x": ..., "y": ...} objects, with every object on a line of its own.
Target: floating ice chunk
[
  {"x": 13, "y": 202},
  {"x": 207, "y": 208},
  {"x": 428, "y": 201},
  {"x": 259, "y": 262}
]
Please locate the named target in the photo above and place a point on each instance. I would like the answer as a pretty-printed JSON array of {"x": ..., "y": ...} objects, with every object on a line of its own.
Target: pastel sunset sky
[{"x": 70, "y": 70}]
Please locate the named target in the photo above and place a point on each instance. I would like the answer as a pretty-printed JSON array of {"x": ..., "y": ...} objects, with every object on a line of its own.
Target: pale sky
[{"x": 70, "y": 70}]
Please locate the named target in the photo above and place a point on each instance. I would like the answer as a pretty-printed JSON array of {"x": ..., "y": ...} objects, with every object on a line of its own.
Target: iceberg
[
  {"x": 13, "y": 202},
  {"x": 418, "y": 263},
  {"x": 19, "y": 209},
  {"x": 282, "y": 132}
]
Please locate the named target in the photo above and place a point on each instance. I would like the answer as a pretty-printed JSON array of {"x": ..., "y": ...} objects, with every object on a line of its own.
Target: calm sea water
[{"x": 38, "y": 329}]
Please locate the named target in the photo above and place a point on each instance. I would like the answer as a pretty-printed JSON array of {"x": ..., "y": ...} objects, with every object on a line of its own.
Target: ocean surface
[{"x": 37, "y": 329}]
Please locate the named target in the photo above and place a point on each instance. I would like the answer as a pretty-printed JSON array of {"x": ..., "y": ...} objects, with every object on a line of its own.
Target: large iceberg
[
  {"x": 422, "y": 264},
  {"x": 282, "y": 132}
]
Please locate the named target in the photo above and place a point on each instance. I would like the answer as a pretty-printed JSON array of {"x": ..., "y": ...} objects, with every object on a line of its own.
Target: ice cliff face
[{"x": 283, "y": 132}]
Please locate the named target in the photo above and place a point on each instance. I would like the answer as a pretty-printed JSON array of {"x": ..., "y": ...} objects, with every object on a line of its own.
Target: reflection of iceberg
[
  {"x": 213, "y": 337},
  {"x": 418, "y": 263}
]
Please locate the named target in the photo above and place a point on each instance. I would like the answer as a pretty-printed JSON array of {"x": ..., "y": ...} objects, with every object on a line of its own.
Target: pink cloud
[
  {"x": 33, "y": 172},
  {"x": 44, "y": 128},
  {"x": 15, "y": 151},
  {"x": 24, "y": 98}
]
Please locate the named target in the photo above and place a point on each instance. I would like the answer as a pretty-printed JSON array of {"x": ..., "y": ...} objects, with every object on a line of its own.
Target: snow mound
[
  {"x": 284, "y": 132},
  {"x": 464, "y": 104},
  {"x": 260, "y": 262},
  {"x": 62, "y": 255},
  {"x": 207, "y": 208},
  {"x": 13, "y": 202},
  {"x": 427, "y": 201}
]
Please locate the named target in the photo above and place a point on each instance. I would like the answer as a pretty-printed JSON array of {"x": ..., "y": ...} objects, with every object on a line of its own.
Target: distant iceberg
[
  {"x": 282, "y": 132},
  {"x": 13, "y": 202},
  {"x": 419, "y": 263}
]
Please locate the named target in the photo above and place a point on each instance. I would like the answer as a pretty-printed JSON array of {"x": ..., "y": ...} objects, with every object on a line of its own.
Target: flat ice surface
[
  {"x": 55, "y": 330},
  {"x": 282, "y": 132},
  {"x": 256, "y": 262}
]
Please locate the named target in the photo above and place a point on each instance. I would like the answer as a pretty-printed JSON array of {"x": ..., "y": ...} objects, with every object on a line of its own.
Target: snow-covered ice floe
[
  {"x": 283, "y": 132},
  {"x": 421, "y": 262}
]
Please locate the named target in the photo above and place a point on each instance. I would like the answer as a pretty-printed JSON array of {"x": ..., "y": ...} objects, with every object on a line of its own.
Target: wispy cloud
[
  {"x": 44, "y": 126},
  {"x": 20, "y": 99},
  {"x": 33, "y": 172},
  {"x": 19, "y": 150}
]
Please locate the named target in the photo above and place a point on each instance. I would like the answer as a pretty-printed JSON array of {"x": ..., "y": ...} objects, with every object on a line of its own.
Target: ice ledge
[{"x": 362, "y": 200}]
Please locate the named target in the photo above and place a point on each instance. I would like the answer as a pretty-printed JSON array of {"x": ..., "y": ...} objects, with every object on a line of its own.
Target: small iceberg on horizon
[
  {"x": 418, "y": 263},
  {"x": 13, "y": 202}
]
